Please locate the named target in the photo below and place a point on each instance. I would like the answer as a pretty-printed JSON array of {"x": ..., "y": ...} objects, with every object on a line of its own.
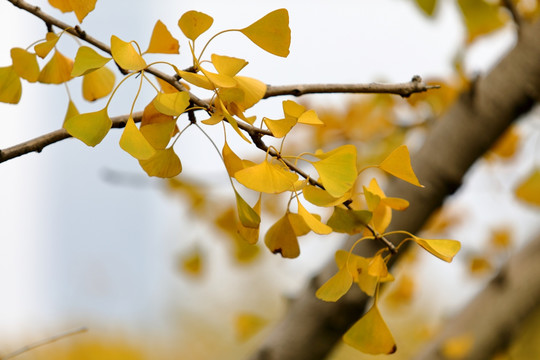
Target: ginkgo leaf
[
  {"x": 98, "y": 84},
  {"x": 57, "y": 70},
  {"x": 444, "y": 249},
  {"x": 299, "y": 224},
  {"x": 320, "y": 197},
  {"x": 377, "y": 267},
  {"x": 529, "y": 189},
  {"x": 337, "y": 169},
  {"x": 25, "y": 64},
  {"x": 427, "y": 6},
  {"x": 335, "y": 287},
  {"x": 314, "y": 224},
  {"x": 247, "y": 215},
  {"x": 266, "y": 177},
  {"x": 196, "y": 79},
  {"x": 271, "y": 32},
  {"x": 481, "y": 17},
  {"x": 227, "y": 65},
  {"x": 90, "y": 128},
  {"x": 370, "y": 334},
  {"x": 292, "y": 109},
  {"x": 62, "y": 5},
  {"x": 395, "y": 203},
  {"x": 280, "y": 128},
  {"x": 232, "y": 162},
  {"x": 10, "y": 85},
  {"x": 125, "y": 55},
  {"x": 250, "y": 235},
  {"x": 232, "y": 121},
  {"x": 161, "y": 41},
  {"x": 44, "y": 48},
  {"x": 164, "y": 164},
  {"x": 158, "y": 134},
  {"x": 254, "y": 90},
  {"x": 194, "y": 23},
  {"x": 87, "y": 60},
  {"x": 281, "y": 239},
  {"x": 310, "y": 118},
  {"x": 134, "y": 142},
  {"x": 152, "y": 116},
  {"x": 82, "y": 7},
  {"x": 219, "y": 80},
  {"x": 71, "y": 111},
  {"x": 247, "y": 325},
  {"x": 398, "y": 163},
  {"x": 172, "y": 104},
  {"x": 349, "y": 221}
]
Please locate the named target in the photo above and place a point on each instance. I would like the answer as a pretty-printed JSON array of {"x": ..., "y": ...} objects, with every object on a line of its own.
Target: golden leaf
[
  {"x": 281, "y": 239},
  {"x": 87, "y": 60},
  {"x": 266, "y": 177},
  {"x": 98, "y": 84},
  {"x": 271, "y": 32},
  {"x": 125, "y": 55},
  {"x": 172, "y": 104},
  {"x": 25, "y": 64},
  {"x": 57, "y": 70},
  {"x": 134, "y": 142},
  {"x": 10, "y": 85},
  {"x": 165, "y": 164},
  {"x": 337, "y": 169},
  {"x": 194, "y": 23},
  {"x": 162, "y": 41},
  {"x": 90, "y": 128}
]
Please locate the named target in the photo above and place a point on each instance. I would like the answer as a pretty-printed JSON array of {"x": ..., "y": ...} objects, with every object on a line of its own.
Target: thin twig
[{"x": 43, "y": 342}]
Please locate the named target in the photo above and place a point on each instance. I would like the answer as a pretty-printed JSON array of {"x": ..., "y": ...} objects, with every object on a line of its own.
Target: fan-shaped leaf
[
  {"x": 90, "y": 128},
  {"x": 337, "y": 169},
  {"x": 98, "y": 84},
  {"x": 162, "y": 42},
  {"x": 194, "y": 23},
  {"x": 281, "y": 239},
  {"x": 87, "y": 60},
  {"x": 271, "y": 32},
  {"x": 25, "y": 64},
  {"x": 164, "y": 164},
  {"x": 134, "y": 142},
  {"x": 10, "y": 85},
  {"x": 444, "y": 249},
  {"x": 125, "y": 55},
  {"x": 57, "y": 70},
  {"x": 172, "y": 104},
  {"x": 44, "y": 48},
  {"x": 266, "y": 177},
  {"x": 398, "y": 163}
]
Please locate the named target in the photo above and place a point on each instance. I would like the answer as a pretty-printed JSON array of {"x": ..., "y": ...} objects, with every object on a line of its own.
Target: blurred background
[{"x": 150, "y": 266}]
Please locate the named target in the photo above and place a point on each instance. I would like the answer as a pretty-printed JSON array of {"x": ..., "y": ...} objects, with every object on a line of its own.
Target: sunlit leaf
[
  {"x": 247, "y": 325},
  {"x": 164, "y": 164},
  {"x": 232, "y": 162},
  {"x": 266, "y": 177},
  {"x": 299, "y": 224},
  {"x": 162, "y": 42},
  {"x": 219, "y": 80},
  {"x": 25, "y": 64},
  {"x": 377, "y": 267},
  {"x": 90, "y": 128},
  {"x": 227, "y": 65},
  {"x": 57, "y": 70},
  {"x": 529, "y": 189},
  {"x": 62, "y": 5},
  {"x": 125, "y": 55},
  {"x": 10, "y": 85},
  {"x": 98, "y": 84},
  {"x": 320, "y": 197},
  {"x": 250, "y": 235},
  {"x": 134, "y": 142},
  {"x": 172, "y": 104},
  {"x": 444, "y": 249},
  {"x": 254, "y": 90},
  {"x": 337, "y": 169},
  {"x": 481, "y": 17},
  {"x": 349, "y": 221},
  {"x": 398, "y": 163},
  {"x": 337, "y": 286},
  {"x": 44, "y": 48},
  {"x": 280, "y": 128},
  {"x": 457, "y": 347},
  {"x": 158, "y": 134},
  {"x": 82, "y": 7},
  {"x": 292, "y": 109},
  {"x": 87, "y": 60},
  {"x": 370, "y": 334},
  {"x": 314, "y": 224},
  {"x": 271, "y": 32},
  {"x": 310, "y": 118},
  {"x": 151, "y": 115},
  {"x": 281, "y": 239},
  {"x": 71, "y": 111},
  {"x": 196, "y": 79},
  {"x": 248, "y": 217},
  {"x": 427, "y": 6},
  {"x": 194, "y": 23}
]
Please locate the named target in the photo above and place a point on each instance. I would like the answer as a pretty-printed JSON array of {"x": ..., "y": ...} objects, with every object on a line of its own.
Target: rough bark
[{"x": 311, "y": 327}]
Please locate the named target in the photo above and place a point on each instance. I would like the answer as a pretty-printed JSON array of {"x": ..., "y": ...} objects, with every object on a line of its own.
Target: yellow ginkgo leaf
[
  {"x": 271, "y": 32},
  {"x": 314, "y": 224},
  {"x": 172, "y": 104},
  {"x": 10, "y": 85},
  {"x": 254, "y": 90},
  {"x": 337, "y": 169},
  {"x": 250, "y": 235},
  {"x": 98, "y": 84},
  {"x": 529, "y": 189},
  {"x": 82, "y": 7},
  {"x": 247, "y": 325},
  {"x": 398, "y": 163},
  {"x": 44, "y": 48},
  {"x": 370, "y": 334},
  {"x": 164, "y": 164},
  {"x": 227, "y": 65},
  {"x": 57, "y": 70},
  {"x": 158, "y": 134},
  {"x": 280, "y": 128},
  {"x": 87, "y": 60},
  {"x": 62, "y": 5},
  {"x": 134, "y": 142},
  {"x": 335, "y": 287},
  {"x": 25, "y": 64},
  {"x": 281, "y": 239},
  {"x": 444, "y": 249},
  {"x": 125, "y": 55},
  {"x": 266, "y": 177},
  {"x": 395, "y": 203},
  {"x": 247, "y": 215},
  {"x": 232, "y": 162},
  {"x": 349, "y": 221},
  {"x": 292, "y": 109},
  {"x": 377, "y": 267},
  {"x": 152, "y": 116},
  {"x": 299, "y": 224},
  {"x": 162, "y": 42},
  {"x": 71, "y": 111},
  {"x": 310, "y": 118},
  {"x": 481, "y": 17},
  {"x": 196, "y": 79},
  {"x": 90, "y": 128},
  {"x": 320, "y": 197},
  {"x": 219, "y": 80},
  {"x": 194, "y": 23}
]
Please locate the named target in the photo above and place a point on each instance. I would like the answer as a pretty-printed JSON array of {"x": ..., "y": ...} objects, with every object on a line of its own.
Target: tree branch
[{"x": 312, "y": 327}]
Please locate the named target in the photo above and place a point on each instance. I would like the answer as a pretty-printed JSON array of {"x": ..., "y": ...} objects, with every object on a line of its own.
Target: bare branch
[{"x": 43, "y": 342}]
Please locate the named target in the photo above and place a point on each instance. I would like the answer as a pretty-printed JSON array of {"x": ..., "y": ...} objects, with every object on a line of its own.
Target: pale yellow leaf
[{"x": 271, "y": 32}]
